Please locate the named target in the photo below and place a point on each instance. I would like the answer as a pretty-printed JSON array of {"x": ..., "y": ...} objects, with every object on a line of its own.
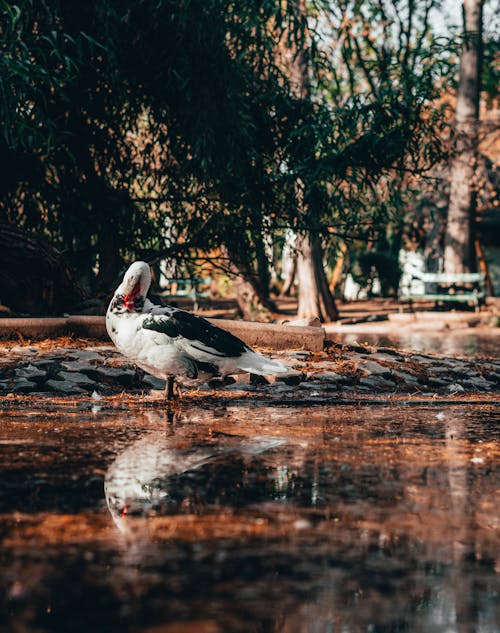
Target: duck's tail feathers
[{"x": 255, "y": 363}]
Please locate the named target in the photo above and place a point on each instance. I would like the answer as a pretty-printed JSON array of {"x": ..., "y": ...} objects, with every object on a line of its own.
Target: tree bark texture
[
  {"x": 459, "y": 251},
  {"x": 253, "y": 301},
  {"x": 338, "y": 268},
  {"x": 315, "y": 299},
  {"x": 289, "y": 263},
  {"x": 251, "y": 304},
  {"x": 290, "y": 278}
]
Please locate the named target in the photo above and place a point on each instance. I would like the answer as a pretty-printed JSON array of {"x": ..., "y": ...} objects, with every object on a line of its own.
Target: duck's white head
[{"x": 135, "y": 284}]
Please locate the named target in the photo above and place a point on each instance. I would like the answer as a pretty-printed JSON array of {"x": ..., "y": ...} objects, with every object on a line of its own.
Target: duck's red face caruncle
[{"x": 129, "y": 299}]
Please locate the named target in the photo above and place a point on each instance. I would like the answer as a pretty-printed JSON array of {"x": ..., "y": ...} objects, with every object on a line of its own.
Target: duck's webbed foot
[
  {"x": 172, "y": 390},
  {"x": 218, "y": 382}
]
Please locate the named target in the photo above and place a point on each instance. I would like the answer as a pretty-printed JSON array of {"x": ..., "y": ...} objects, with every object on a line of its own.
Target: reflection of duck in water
[{"x": 157, "y": 475}]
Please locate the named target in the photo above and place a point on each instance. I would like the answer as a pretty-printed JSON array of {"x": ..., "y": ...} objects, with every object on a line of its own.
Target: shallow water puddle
[
  {"x": 450, "y": 343},
  {"x": 251, "y": 519}
]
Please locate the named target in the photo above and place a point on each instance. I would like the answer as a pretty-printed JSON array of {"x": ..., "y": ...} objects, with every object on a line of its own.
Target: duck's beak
[{"x": 129, "y": 300}]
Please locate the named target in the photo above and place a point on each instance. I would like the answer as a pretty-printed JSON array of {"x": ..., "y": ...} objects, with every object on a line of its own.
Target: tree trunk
[
  {"x": 253, "y": 302},
  {"x": 338, "y": 268},
  {"x": 290, "y": 278},
  {"x": 315, "y": 299},
  {"x": 262, "y": 263},
  {"x": 289, "y": 263},
  {"x": 459, "y": 252}
]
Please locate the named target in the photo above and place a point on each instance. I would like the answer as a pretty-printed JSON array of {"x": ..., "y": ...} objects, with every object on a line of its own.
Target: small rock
[
  {"x": 387, "y": 357},
  {"x": 479, "y": 383},
  {"x": 293, "y": 378},
  {"x": 78, "y": 365},
  {"x": 328, "y": 376},
  {"x": 30, "y": 372},
  {"x": 153, "y": 382},
  {"x": 494, "y": 377},
  {"x": 77, "y": 378},
  {"x": 324, "y": 365},
  {"x": 388, "y": 350},
  {"x": 21, "y": 385},
  {"x": 64, "y": 386},
  {"x": 455, "y": 388},
  {"x": 121, "y": 375},
  {"x": 48, "y": 365},
  {"x": 88, "y": 356},
  {"x": 300, "y": 355},
  {"x": 241, "y": 386},
  {"x": 440, "y": 370},
  {"x": 313, "y": 384},
  {"x": 373, "y": 368},
  {"x": 405, "y": 377},
  {"x": 376, "y": 382},
  {"x": 437, "y": 382},
  {"x": 281, "y": 387},
  {"x": 63, "y": 353},
  {"x": 356, "y": 348},
  {"x": 111, "y": 372},
  {"x": 355, "y": 357},
  {"x": 420, "y": 358}
]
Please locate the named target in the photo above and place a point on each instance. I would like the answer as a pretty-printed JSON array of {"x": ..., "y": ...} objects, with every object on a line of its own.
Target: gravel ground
[{"x": 67, "y": 367}]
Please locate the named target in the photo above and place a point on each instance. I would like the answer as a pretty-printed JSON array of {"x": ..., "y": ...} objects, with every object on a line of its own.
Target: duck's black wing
[{"x": 202, "y": 335}]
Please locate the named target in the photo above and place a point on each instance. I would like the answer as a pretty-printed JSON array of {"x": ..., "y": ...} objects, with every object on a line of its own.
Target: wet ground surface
[
  {"x": 220, "y": 517},
  {"x": 461, "y": 343}
]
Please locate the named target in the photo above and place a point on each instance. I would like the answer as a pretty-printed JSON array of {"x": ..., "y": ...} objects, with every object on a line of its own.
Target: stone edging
[{"x": 339, "y": 372}]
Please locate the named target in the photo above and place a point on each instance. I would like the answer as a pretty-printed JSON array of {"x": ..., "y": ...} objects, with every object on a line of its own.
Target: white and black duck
[{"x": 171, "y": 343}]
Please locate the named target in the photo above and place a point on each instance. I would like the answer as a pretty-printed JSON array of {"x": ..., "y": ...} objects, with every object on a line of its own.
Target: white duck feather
[{"x": 167, "y": 341}]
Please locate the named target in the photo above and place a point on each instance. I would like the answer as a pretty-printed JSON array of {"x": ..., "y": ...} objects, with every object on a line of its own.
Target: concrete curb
[
  {"x": 277, "y": 337},
  {"x": 447, "y": 317}
]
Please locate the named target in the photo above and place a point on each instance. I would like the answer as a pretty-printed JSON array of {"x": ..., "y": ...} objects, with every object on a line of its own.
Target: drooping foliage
[
  {"x": 144, "y": 129},
  {"x": 82, "y": 82}
]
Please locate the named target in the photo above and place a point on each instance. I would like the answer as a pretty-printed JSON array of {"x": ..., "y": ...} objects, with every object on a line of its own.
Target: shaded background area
[{"x": 245, "y": 150}]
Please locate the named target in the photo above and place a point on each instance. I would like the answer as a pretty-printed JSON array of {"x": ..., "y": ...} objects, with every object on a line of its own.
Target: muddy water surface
[{"x": 344, "y": 519}]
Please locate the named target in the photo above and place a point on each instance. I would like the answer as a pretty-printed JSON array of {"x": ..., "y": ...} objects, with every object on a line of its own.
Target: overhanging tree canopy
[{"x": 135, "y": 129}]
